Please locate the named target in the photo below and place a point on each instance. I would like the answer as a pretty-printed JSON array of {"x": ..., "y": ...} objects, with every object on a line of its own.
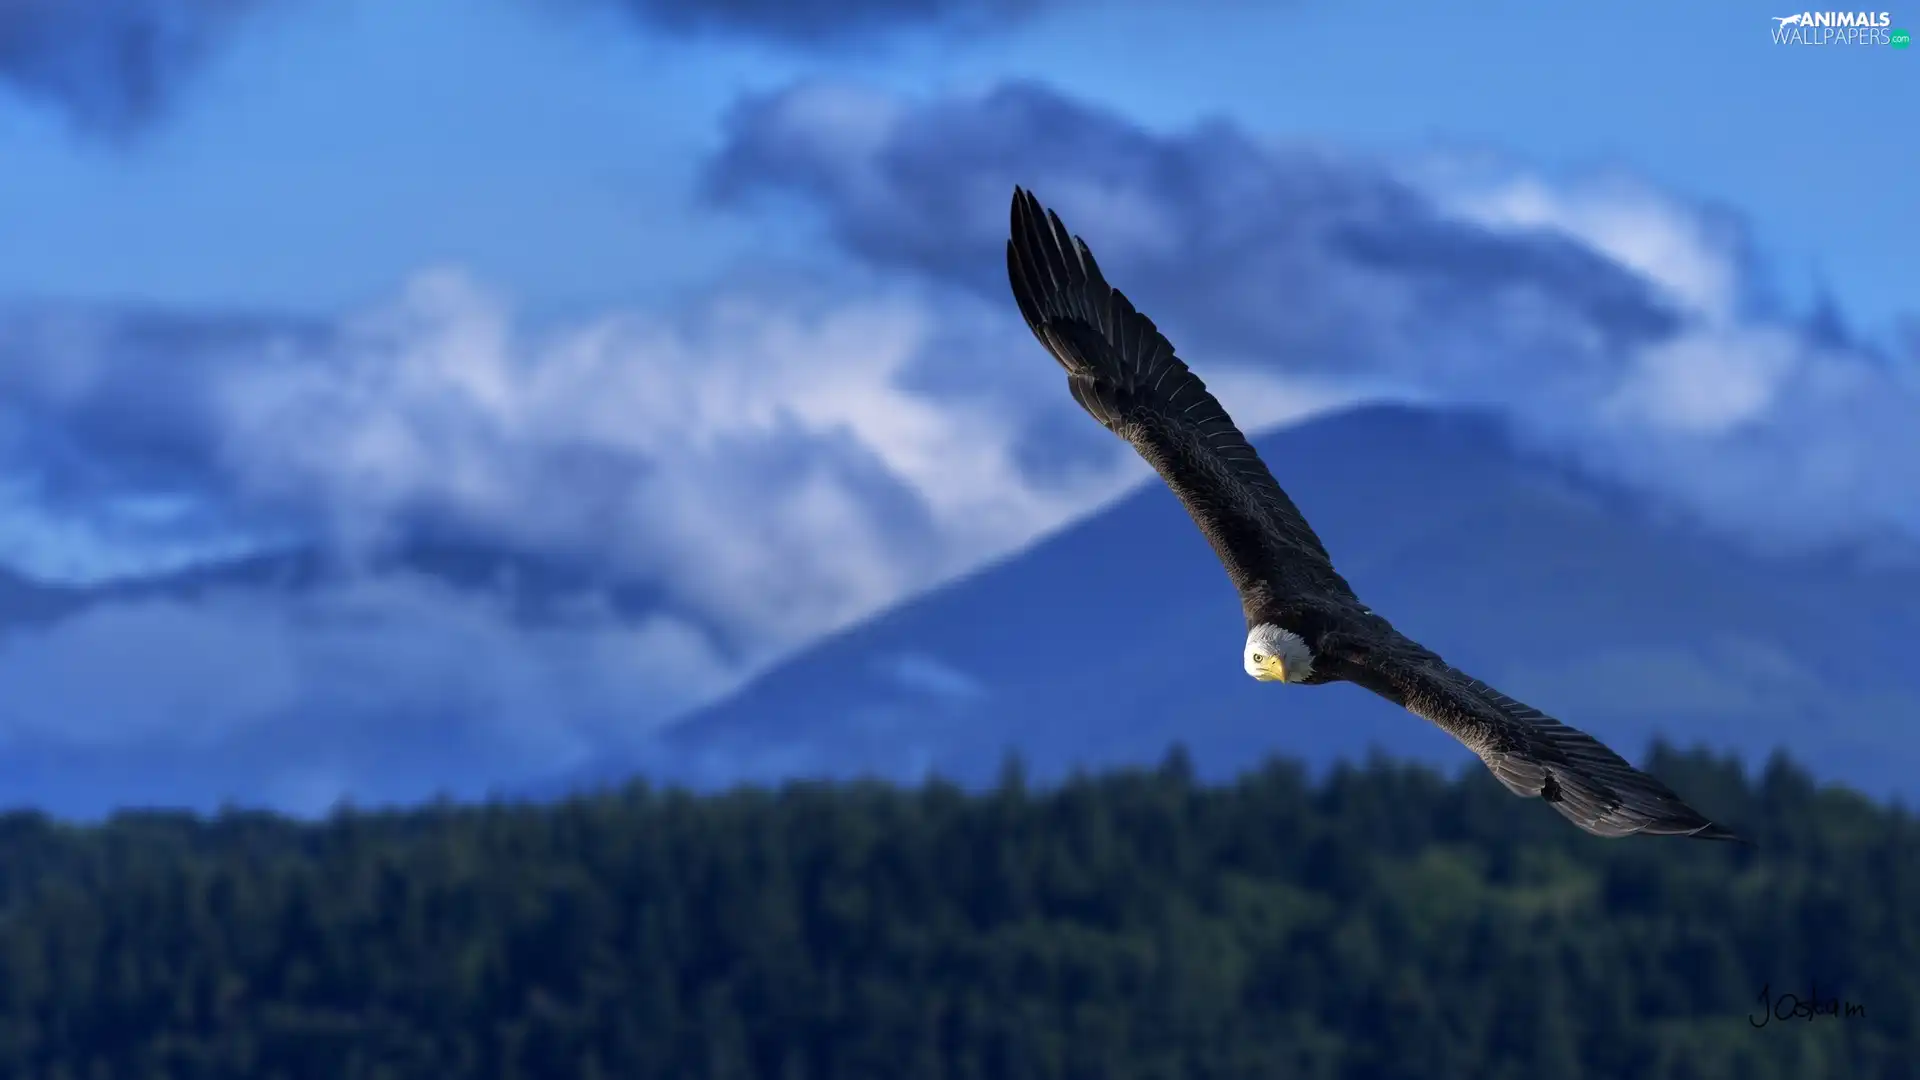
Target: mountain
[{"x": 1121, "y": 635}]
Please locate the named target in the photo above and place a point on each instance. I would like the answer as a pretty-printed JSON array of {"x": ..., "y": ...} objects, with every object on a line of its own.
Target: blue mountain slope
[{"x": 1121, "y": 635}]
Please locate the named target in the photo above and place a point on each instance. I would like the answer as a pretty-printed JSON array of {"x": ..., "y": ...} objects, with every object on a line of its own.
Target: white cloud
[
  {"x": 1765, "y": 434},
  {"x": 772, "y": 463},
  {"x": 1695, "y": 259},
  {"x": 1707, "y": 382},
  {"x": 1742, "y": 418},
  {"x": 1746, "y": 420}
]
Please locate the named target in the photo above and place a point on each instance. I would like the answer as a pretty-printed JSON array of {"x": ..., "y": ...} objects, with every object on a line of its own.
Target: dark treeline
[{"x": 1382, "y": 923}]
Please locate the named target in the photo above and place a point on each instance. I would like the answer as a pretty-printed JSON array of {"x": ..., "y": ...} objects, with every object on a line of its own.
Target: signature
[{"x": 1793, "y": 1006}]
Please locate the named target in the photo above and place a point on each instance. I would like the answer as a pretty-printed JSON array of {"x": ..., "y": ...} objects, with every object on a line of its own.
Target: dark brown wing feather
[
  {"x": 1530, "y": 752},
  {"x": 1125, "y": 374}
]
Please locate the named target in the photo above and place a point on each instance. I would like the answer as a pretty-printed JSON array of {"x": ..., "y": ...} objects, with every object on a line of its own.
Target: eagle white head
[{"x": 1277, "y": 655}]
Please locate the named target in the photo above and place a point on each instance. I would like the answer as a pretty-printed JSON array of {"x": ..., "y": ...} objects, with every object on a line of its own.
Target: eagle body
[{"x": 1305, "y": 625}]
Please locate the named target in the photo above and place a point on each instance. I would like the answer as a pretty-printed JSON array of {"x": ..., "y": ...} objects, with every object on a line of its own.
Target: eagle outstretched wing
[
  {"x": 1125, "y": 374},
  {"x": 1531, "y": 753}
]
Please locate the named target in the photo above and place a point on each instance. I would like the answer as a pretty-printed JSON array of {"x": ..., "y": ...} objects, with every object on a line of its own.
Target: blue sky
[
  {"x": 324, "y": 151},
  {"x": 703, "y": 304}
]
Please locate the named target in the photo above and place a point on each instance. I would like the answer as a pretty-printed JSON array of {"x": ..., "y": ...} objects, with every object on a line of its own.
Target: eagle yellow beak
[{"x": 1272, "y": 669}]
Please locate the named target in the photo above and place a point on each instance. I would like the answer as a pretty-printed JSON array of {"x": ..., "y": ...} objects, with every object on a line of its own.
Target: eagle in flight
[{"x": 1304, "y": 623}]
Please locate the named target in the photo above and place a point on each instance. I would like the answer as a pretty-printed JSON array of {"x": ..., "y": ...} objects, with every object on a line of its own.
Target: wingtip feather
[{"x": 1712, "y": 831}]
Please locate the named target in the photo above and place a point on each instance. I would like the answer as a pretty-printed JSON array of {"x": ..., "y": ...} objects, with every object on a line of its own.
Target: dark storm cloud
[
  {"x": 106, "y": 404},
  {"x": 111, "y": 65},
  {"x": 1315, "y": 257}
]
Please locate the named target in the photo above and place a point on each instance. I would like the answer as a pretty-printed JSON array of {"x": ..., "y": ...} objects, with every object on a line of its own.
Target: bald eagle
[{"x": 1304, "y": 623}]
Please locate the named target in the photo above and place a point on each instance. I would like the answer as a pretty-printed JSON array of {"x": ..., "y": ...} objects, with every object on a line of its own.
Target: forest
[{"x": 1380, "y": 921}]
